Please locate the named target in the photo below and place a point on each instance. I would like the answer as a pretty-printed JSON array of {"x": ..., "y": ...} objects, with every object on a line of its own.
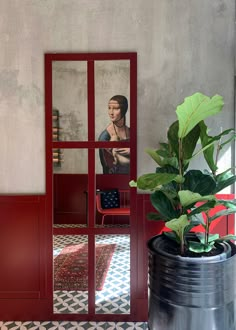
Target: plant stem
[
  {"x": 180, "y": 160},
  {"x": 207, "y": 229},
  {"x": 180, "y": 157},
  {"x": 217, "y": 154}
]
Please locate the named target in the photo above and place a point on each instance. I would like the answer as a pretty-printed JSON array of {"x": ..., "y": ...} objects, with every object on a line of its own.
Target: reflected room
[{"x": 72, "y": 116}]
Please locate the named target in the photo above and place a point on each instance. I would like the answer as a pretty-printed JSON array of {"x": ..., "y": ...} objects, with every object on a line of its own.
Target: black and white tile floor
[
  {"x": 64, "y": 325},
  {"x": 115, "y": 296}
]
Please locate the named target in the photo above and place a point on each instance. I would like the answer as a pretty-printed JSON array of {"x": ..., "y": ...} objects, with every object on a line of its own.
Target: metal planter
[{"x": 191, "y": 293}]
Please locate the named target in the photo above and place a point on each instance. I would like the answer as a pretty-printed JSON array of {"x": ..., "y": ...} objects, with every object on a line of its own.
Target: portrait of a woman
[{"x": 116, "y": 160}]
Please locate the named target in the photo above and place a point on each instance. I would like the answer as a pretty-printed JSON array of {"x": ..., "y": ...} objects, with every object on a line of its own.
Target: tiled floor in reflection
[
  {"x": 114, "y": 298},
  {"x": 51, "y": 325}
]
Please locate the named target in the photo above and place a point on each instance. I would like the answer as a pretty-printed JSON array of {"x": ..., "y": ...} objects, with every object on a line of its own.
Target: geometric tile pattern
[
  {"x": 68, "y": 226},
  {"x": 64, "y": 325},
  {"x": 115, "y": 296},
  {"x": 97, "y": 225}
]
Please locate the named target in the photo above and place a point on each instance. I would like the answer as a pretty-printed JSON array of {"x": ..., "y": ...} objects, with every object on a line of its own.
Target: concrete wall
[{"x": 183, "y": 46}]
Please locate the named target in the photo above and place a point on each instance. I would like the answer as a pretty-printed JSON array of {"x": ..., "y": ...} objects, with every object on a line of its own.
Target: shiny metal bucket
[{"x": 191, "y": 293}]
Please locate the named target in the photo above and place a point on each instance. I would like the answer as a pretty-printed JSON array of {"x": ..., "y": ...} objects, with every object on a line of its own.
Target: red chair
[{"x": 123, "y": 210}]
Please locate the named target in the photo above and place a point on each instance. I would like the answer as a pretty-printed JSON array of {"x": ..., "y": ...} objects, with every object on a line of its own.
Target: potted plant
[{"x": 192, "y": 275}]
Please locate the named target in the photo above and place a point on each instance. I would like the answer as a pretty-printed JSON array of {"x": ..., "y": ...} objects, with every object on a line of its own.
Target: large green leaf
[
  {"x": 171, "y": 187},
  {"x": 190, "y": 141},
  {"x": 225, "y": 132},
  {"x": 133, "y": 184},
  {"x": 227, "y": 238},
  {"x": 154, "y": 155},
  {"x": 223, "y": 180},
  {"x": 167, "y": 169},
  {"x": 164, "y": 205},
  {"x": 178, "y": 225},
  {"x": 163, "y": 153},
  {"x": 172, "y": 161},
  {"x": 211, "y": 237},
  {"x": 164, "y": 146},
  {"x": 196, "y": 219},
  {"x": 209, "y": 152},
  {"x": 152, "y": 181},
  {"x": 221, "y": 214},
  {"x": 188, "y": 198},
  {"x": 155, "y": 216},
  {"x": 203, "y": 208},
  {"x": 199, "y": 247},
  {"x": 196, "y": 181},
  {"x": 232, "y": 137},
  {"x": 173, "y": 137},
  {"x": 209, "y": 143},
  {"x": 167, "y": 158},
  {"x": 227, "y": 203},
  {"x": 196, "y": 108}
]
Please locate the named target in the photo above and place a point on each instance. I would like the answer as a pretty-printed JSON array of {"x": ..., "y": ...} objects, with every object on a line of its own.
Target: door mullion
[{"x": 91, "y": 237}]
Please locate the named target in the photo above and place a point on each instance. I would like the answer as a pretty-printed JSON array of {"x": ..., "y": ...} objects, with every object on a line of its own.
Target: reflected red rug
[{"x": 71, "y": 266}]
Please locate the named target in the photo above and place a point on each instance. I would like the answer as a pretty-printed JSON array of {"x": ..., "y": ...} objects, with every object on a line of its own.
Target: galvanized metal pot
[{"x": 191, "y": 293}]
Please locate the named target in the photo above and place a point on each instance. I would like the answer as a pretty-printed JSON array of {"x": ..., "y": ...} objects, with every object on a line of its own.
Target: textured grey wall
[{"x": 183, "y": 46}]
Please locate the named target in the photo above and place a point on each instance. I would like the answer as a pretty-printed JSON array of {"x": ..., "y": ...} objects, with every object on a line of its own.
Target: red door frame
[{"x": 91, "y": 145}]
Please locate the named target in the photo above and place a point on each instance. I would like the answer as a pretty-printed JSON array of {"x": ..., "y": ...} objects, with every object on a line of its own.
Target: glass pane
[
  {"x": 70, "y": 181},
  {"x": 112, "y": 90},
  {"x": 70, "y": 274},
  {"x": 69, "y": 98},
  {"x": 113, "y": 160},
  {"x": 113, "y": 272},
  {"x": 112, "y": 198}
]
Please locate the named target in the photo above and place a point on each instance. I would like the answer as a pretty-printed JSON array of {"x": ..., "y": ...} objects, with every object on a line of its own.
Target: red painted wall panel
[{"x": 24, "y": 256}]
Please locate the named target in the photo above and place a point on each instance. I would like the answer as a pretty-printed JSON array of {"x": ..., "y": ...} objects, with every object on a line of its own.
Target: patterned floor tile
[
  {"x": 64, "y": 325},
  {"x": 115, "y": 296}
]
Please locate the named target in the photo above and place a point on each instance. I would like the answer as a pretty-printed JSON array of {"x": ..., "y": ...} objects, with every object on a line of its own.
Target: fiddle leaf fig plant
[{"x": 184, "y": 197}]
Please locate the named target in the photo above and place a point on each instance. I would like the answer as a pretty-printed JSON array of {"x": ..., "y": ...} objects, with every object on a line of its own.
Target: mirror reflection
[
  {"x": 111, "y": 78},
  {"x": 70, "y": 274},
  {"x": 69, "y": 97},
  {"x": 112, "y": 198},
  {"x": 70, "y": 185},
  {"x": 112, "y": 90},
  {"x": 112, "y": 274},
  {"x": 113, "y": 268},
  {"x": 70, "y": 118},
  {"x": 116, "y": 160}
]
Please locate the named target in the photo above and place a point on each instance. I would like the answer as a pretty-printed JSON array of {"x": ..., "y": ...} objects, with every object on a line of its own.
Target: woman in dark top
[{"x": 116, "y": 160}]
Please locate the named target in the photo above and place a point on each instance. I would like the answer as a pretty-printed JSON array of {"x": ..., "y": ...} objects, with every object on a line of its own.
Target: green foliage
[
  {"x": 195, "y": 109},
  {"x": 178, "y": 226},
  {"x": 199, "y": 182},
  {"x": 183, "y": 198},
  {"x": 165, "y": 205}
]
